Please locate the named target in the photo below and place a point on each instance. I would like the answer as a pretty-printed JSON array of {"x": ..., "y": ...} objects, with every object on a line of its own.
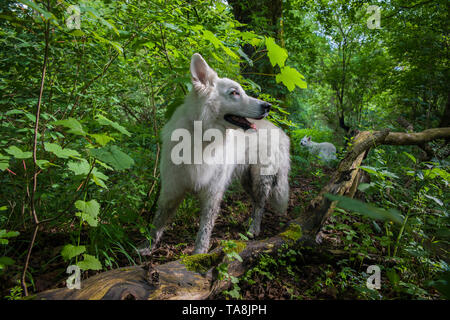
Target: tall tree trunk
[
  {"x": 445, "y": 119},
  {"x": 253, "y": 14}
]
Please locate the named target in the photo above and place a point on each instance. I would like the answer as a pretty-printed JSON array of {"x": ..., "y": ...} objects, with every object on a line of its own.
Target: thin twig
[
  {"x": 155, "y": 131},
  {"x": 163, "y": 41},
  {"x": 85, "y": 183},
  {"x": 36, "y": 129},
  {"x": 105, "y": 68}
]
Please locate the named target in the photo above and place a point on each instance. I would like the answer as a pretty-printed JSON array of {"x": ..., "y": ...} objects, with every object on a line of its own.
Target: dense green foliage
[{"x": 88, "y": 176}]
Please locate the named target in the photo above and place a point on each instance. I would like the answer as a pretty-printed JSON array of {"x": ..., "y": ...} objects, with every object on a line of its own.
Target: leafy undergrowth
[
  {"x": 335, "y": 270},
  {"x": 49, "y": 269}
]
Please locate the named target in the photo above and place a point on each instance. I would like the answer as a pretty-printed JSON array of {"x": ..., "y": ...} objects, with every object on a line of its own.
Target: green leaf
[
  {"x": 14, "y": 111},
  {"x": 217, "y": 57},
  {"x": 89, "y": 263},
  {"x": 98, "y": 177},
  {"x": 229, "y": 52},
  {"x": 8, "y": 234},
  {"x": 235, "y": 255},
  {"x": 77, "y": 33},
  {"x": 437, "y": 172},
  {"x": 366, "y": 209},
  {"x": 377, "y": 227},
  {"x": 245, "y": 56},
  {"x": 47, "y": 15},
  {"x": 393, "y": 277},
  {"x": 365, "y": 186},
  {"x": 60, "y": 152},
  {"x": 277, "y": 55},
  {"x": 87, "y": 218},
  {"x": 250, "y": 37},
  {"x": 69, "y": 251},
  {"x": 44, "y": 164},
  {"x": 443, "y": 284},
  {"x": 4, "y": 162},
  {"x": 88, "y": 211},
  {"x": 389, "y": 174},
  {"x": 79, "y": 167},
  {"x": 17, "y": 153},
  {"x": 114, "y": 157},
  {"x": 6, "y": 261},
  {"x": 96, "y": 15},
  {"x": 90, "y": 207},
  {"x": 102, "y": 139},
  {"x": 73, "y": 124},
  {"x": 208, "y": 35},
  {"x": 30, "y": 116},
  {"x": 369, "y": 169},
  {"x": 104, "y": 165},
  {"x": 99, "y": 181},
  {"x": 234, "y": 293},
  {"x": 413, "y": 159},
  {"x": 291, "y": 78},
  {"x": 105, "y": 121},
  {"x": 115, "y": 45}
]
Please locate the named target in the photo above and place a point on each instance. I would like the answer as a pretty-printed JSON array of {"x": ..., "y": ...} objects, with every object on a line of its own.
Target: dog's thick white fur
[
  {"x": 325, "y": 150},
  {"x": 222, "y": 104}
]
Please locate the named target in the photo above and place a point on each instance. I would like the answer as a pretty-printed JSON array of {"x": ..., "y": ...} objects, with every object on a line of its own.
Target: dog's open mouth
[{"x": 241, "y": 121}]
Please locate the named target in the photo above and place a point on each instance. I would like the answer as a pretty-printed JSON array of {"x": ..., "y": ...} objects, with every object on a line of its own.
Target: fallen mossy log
[
  {"x": 417, "y": 138},
  {"x": 167, "y": 281},
  {"x": 194, "y": 277}
]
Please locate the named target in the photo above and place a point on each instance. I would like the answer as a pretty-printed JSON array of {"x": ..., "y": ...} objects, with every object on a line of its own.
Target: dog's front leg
[{"x": 210, "y": 209}]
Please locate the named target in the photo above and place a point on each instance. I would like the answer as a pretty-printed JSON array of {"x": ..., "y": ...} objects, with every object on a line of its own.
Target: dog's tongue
[{"x": 253, "y": 126}]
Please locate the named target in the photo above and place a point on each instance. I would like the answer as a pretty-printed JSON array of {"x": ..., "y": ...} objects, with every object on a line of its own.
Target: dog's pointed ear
[
  {"x": 202, "y": 75},
  {"x": 309, "y": 138}
]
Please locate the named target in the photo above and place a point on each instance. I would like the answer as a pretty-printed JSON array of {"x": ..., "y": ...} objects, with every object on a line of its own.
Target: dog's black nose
[{"x": 266, "y": 106}]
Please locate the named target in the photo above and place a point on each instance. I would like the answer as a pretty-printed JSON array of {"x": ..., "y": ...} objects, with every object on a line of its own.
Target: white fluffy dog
[
  {"x": 214, "y": 113},
  {"x": 325, "y": 150}
]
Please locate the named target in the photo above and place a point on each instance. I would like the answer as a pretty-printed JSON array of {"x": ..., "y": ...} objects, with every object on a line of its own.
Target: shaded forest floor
[
  {"x": 178, "y": 240},
  {"x": 285, "y": 277}
]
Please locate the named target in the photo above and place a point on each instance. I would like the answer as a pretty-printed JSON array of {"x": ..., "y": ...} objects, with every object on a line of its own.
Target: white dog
[
  {"x": 325, "y": 150},
  {"x": 222, "y": 105}
]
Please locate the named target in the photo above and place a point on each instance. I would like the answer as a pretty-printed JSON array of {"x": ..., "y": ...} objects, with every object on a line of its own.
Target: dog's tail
[{"x": 279, "y": 198}]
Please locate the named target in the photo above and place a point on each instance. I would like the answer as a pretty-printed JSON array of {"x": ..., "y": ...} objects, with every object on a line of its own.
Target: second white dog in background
[{"x": 325, "y": 150}]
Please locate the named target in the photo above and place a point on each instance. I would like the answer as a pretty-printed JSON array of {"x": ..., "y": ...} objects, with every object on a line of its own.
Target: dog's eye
[{"x": 234, "y": 93}]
